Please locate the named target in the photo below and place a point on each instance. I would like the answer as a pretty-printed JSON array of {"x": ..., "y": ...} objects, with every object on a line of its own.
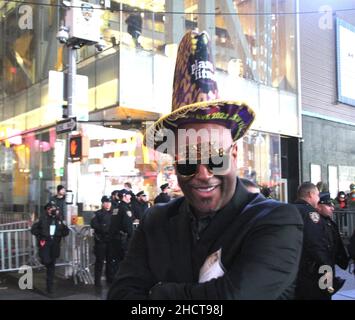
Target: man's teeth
[{"x": 206, "y": 189}]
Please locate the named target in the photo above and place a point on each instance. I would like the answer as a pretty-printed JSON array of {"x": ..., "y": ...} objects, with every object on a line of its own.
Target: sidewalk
[
  {"x": 347, "y": 292},
  {"x": 65, "y": 289}
]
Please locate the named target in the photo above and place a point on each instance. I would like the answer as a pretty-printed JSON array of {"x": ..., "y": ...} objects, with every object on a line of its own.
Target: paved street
[
  {"x": 348, "y": 290},
  {"x": 66, "y": 290}
]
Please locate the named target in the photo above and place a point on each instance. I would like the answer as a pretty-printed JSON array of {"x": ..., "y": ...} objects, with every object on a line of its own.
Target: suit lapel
[
  {"x": 212, "y": 238},
  {"x": 180, "y": 243}
]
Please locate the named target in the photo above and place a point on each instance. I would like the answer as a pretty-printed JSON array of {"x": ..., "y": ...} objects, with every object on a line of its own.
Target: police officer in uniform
[
  {"x": 322, "y": 246},
  {"x": 115, "y": 200},
  {"x": 126, "y": 218},
  {"x": 49, "y": 231},
  {"x": 163, "y": 196},
  {"x": 101, "y": 223}
]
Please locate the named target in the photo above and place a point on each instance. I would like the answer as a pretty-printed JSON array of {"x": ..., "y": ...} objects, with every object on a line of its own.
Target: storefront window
[
  {"x": 259, "y": 160},
  {"x": 29, "y": 170},
  {"x": 115, "y": 156}
]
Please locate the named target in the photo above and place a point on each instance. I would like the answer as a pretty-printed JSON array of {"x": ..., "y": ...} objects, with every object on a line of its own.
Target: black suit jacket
[{"x": 261, "y": 249}]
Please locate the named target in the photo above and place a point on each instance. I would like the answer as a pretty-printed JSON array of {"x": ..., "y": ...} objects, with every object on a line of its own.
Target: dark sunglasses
[{"x": 216, "y": 164}]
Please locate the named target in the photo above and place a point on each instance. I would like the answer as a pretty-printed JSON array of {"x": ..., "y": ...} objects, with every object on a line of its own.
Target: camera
[
  {"x": 100, "y": 46},
  {"x": 63, "y": 34}
]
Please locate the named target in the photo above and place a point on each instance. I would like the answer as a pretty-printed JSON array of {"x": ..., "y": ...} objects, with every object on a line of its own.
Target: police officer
[
  {"x": 351, "y": 247},
  {"x": 101, "y": 223},
  {"x": 112, "y": 229},
  {"x": 49, "y": 231},
  {"x": 115, "y": 200},
  {"x": 126, "y": 218},
  {"x": 322, "y": 246},
  {"x": 140, "y": 205},
  {"x": 163, "y": 196}
]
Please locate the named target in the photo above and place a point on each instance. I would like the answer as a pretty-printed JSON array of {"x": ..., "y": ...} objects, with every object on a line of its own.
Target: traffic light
[
  {"x": 65, "y": 113},
  {"x": 75, "y": 148}
]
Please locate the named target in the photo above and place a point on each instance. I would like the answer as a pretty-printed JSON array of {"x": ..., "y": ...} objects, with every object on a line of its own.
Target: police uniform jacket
[
  {"x": 139, "y": 208},
  {"x": 49, "y": 246},
  {"x": 121, "y": 221},
  {"x": 351, "y": 246},
  {"x": 260, "y": 242},
  {"x": 322, "y": 246},
  {"x": 162, "y": 198},
  {"x": 101, "y": 224}
]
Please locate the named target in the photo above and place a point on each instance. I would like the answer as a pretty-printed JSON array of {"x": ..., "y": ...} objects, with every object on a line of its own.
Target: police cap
[
  {"x": 122, "y": 192},
  {"x": 324, "y": 198},
  {"x": 105, "y": 199},
  {"x": 164, "y": 186},
  {"x": 140, "y": 193}
]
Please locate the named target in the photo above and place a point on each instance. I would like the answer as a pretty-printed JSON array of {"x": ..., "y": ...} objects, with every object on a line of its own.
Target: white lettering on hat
[{"x": 202, "y": 70}]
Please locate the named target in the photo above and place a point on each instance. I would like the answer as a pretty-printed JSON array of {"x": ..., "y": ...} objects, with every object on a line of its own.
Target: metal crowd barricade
[
  {"x": 16, "y": 246},
  {"x": 15, "y": 225},
  {"x": 7, "y": 217},
  {"x": 76, "y": 254},
  {"x": 345, "y": 220}
]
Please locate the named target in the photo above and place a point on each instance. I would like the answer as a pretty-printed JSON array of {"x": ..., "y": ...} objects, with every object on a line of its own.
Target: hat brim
[{"x": 236, "y": 116}]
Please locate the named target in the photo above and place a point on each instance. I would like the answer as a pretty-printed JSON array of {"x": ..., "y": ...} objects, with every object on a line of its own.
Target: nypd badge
[
  {"x": 129, "y": 213},
  {"x": 314, "y": 217}
]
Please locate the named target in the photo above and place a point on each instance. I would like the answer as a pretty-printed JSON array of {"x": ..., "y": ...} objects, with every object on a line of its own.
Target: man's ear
[{"x": 234, "y": 151}]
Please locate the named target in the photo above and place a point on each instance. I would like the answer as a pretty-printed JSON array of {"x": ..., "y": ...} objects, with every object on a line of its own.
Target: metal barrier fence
[
  {"x": 345, "y": 220},
  {"x": 77, "y": 254},
  {"x": 15, "y": 225},
  {"x": 7, "y": 217},
  {"x": 18, "y": 247}
]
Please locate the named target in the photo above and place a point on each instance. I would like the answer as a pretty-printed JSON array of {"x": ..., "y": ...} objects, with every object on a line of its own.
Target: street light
[{"x": 81, "y": 28}]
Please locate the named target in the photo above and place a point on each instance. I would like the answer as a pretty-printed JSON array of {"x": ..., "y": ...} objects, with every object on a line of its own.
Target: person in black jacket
[
  {"x": 163, "y": 196},
  {"x": 59, "y": 199},
  {"x": 140, "y": 205},
  {"x": 134, "y": 27},
  {"x": 49, "y": 231},
  {"x": 101, "y": 223},
  {"x": 127, "y": 218},
  {"x": 219, "y": 241},
  {"x": 322, "y": 247},
  {"x": 351, "y": 250},
  {"x": 110, "y": 227}
]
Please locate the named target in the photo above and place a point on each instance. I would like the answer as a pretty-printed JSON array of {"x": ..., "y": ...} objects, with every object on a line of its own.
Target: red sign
[{"x": 75, "y": 148}]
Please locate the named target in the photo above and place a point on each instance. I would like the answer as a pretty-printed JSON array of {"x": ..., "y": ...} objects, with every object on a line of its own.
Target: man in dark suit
[{"x": 219, "y": 241}]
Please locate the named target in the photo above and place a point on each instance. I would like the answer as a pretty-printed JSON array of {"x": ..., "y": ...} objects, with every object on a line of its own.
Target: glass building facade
[{"x": 130, "y": 82}]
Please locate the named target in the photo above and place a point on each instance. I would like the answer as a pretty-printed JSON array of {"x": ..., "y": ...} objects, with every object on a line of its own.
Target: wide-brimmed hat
[{"x": 195, "y": 94}]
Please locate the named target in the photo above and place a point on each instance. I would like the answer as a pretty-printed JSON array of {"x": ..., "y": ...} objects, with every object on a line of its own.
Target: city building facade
[
  {"x": 128, "y": 84},
  {"x": 327, "y": 54}
]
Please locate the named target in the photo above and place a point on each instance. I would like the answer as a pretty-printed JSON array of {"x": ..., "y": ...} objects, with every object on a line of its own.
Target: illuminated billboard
[{"x": 345, "y": 42}]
